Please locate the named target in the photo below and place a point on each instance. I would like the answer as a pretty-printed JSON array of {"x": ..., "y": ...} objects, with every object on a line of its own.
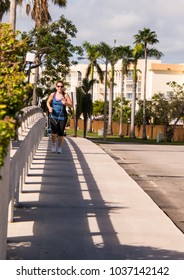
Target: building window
[
  {"x": 129, "y": 95},
  {"x": 138, "y": 95},
  {"x": 139, "y": 86},
  {"x": 129, "y": 85},
  {"x": 130, "y": 75}
]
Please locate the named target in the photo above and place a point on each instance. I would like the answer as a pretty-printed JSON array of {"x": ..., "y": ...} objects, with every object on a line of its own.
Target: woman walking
[{"x": 56, "y": 104}]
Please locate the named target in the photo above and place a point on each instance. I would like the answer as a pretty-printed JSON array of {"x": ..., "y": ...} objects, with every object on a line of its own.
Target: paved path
[
  {"x": 83, "y": 205},
  {"x": 158, "y": 169}
]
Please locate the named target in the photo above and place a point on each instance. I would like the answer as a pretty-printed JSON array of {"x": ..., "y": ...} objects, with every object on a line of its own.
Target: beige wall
[
  {"x": 151, "y": 130},
  {"x": 160, "y": 85}
]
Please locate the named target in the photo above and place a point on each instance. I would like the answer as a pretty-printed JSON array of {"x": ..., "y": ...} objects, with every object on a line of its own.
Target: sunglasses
[{"x": 60, "y": 86}]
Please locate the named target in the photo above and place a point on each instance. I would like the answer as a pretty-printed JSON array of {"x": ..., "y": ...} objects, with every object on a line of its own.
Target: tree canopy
[
  {"x": 12, "y": 84},
  {"x": 53, "y": 48}
]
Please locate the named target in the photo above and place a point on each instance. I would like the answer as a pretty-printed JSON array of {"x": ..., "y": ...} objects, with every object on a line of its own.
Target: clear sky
[{"x": 120, "y": 20}]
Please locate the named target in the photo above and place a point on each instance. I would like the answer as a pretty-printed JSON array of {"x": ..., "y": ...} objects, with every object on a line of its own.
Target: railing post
[{"x": 4, "y": 200}]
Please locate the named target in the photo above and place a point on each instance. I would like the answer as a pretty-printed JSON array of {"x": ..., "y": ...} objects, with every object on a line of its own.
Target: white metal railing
[{"x": 16, "y": 165}]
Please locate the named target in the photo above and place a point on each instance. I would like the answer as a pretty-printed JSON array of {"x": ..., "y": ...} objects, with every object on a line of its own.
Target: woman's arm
[
  {"x": 67, "y": 101},
  {"x": 49, "y": 101}
]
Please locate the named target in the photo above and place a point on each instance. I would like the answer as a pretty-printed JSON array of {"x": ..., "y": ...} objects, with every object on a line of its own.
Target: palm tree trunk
[
  {"x": 144, "y": 101},
  {"x": 132, "y": 125},
  {"x": 75, "y": 127},
  {"x": 13, "y": 7},
  {"x": 121, "y": 106},
  {"x": 109, "y": 130},
  {"x": 105, "y": 104},
  {"x": 90, "y": 119},
  {"x": 85, "y": 126}
]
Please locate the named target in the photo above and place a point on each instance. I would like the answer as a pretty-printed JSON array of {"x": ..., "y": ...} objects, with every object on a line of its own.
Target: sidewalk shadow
[{"x": 71, "y": 219}]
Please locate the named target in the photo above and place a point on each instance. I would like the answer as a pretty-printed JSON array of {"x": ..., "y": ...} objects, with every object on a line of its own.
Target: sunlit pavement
[{"x": 82, "y": 205}]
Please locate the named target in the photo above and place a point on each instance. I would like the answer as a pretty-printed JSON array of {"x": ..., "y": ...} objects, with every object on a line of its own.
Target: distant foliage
[{"x": 169, "y": 108}]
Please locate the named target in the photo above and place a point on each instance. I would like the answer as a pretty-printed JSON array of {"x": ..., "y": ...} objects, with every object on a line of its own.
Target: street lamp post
[{"x": 30, "y": 58}]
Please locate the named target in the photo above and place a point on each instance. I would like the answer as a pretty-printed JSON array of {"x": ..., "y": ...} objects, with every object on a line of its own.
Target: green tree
[
  {"x": 117, "y": 109},
  {"x": 139, "y": 114},
  {"x": 98, "y": 108},
  {"x": 126, "y": 111},
  {"x": 92, "y": 55},
  {"x": 12, "y": 86},
  {"x": 147, "y": 38},
  {"x": 53, "y": 48},
  {"x": 41, "y": 16},
  {"x": 168, "y": 109}
]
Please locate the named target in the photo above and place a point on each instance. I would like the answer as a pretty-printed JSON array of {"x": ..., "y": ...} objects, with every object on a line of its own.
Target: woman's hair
[{"x": 59, "y": 81}]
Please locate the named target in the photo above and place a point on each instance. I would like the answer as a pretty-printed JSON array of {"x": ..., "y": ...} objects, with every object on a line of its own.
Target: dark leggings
[{"x": 57, "y": 127}]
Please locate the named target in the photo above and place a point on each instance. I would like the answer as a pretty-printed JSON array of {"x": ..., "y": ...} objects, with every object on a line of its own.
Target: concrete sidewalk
[{"x": 82, "y": 205}]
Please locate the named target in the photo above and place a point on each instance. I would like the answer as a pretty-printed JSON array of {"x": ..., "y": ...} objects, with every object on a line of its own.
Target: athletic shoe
[
  {"x": 53, "y": 149},
  {"x": 59, "y": 150}
]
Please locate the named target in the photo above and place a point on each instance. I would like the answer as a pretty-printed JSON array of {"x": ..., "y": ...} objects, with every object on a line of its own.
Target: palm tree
[
  {"x": 111, "y": 55},
  {"x": 4, "y": 8},
  {"x": 92, "y": 55},
  {"x": 112, "y": 60},
  {"x": 105, "y": 52},
  {"x": 40, "y": 13},
  {"x": 137, "y": 53},
  {"x": 147, "y": 38},
  {"x": 124, "y": 53},
  {"x": 38, "y": 9},
  {"x": 87, "y": 104}
]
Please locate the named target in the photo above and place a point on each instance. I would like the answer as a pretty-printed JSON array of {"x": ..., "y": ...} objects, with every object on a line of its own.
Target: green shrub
[{"x": 12, "y": 84}]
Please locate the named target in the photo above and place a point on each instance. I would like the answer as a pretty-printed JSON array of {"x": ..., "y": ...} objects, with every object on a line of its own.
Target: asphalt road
[{"x": 159, "y": 171}]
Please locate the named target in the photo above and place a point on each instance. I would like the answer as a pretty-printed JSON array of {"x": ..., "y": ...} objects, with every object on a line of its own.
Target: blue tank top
[{"x": 59, "y": 110}]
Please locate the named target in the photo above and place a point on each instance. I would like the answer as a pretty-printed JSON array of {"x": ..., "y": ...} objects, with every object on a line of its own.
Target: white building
[{"x": 158, "y": 75}]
